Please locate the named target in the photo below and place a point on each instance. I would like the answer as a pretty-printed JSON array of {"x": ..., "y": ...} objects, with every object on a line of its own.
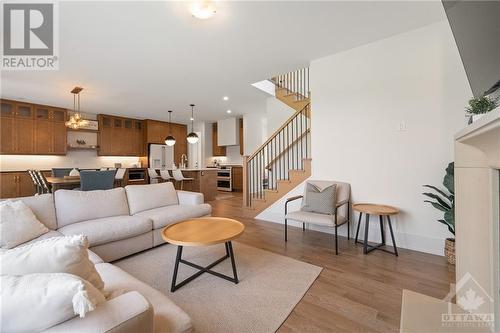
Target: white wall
[
  {"x": 277, "y": 113},
  {"x": 360, "y": 97},
  {"x": 254, "y": 131}
]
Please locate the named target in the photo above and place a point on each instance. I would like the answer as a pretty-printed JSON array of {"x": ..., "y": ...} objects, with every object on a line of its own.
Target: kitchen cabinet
[
  {"x": 157, "y": 131},
  {"x": 32, "y": 129},
  {"x": 216, "y": 149},
  {"x": 237, "y": 178},
  {"x": 119, "y": 136},
  {"x": 228, "y": 132},
  {"x": 50, "y": 131},
  {"x": 16, "y": 184}
]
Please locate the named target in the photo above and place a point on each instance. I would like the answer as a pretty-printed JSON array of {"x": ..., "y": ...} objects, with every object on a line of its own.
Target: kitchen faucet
[{"x": 184, "y": 161}]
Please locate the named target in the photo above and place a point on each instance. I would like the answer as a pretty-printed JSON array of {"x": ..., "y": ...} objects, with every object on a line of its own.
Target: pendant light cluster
[
  {"x": 191, "y": 138},
  {"x": 75, "y": 120}
]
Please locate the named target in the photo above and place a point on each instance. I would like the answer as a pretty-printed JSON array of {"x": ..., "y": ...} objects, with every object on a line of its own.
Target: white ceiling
[{"x": 141, "y": 59}]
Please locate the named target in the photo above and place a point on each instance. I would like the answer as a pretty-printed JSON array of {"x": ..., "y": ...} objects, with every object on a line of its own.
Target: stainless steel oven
[{"x": 224, "y": 179}]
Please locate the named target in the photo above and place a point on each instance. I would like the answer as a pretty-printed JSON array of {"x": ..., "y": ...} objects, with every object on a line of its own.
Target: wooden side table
[{"x": 382, "y": 211}]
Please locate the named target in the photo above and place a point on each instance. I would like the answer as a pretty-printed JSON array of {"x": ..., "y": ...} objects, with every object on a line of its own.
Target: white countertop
[{"x": 199, "y": 169}]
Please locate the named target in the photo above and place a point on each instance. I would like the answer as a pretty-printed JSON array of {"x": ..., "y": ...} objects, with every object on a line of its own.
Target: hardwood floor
[{"x": 354, "y": 292}]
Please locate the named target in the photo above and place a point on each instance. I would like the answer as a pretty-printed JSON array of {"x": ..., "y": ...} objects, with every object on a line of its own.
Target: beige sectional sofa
[{"x": 118, "y": 223}]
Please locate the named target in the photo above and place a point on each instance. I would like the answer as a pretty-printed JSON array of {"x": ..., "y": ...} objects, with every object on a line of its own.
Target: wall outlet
[{"x": 402, "y": 127}]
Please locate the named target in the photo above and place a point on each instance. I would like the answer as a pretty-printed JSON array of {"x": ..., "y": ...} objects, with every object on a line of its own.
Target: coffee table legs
[{"x": 207, "y": 269}]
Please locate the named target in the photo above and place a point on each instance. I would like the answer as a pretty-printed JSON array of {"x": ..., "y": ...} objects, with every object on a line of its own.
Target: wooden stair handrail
[{"x": 289, "y": 120}]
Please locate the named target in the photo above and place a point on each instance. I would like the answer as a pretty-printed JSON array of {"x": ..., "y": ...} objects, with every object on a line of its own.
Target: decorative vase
[
  {"x": 74, "y": 173},
  {"x": 449, "y": 250}
]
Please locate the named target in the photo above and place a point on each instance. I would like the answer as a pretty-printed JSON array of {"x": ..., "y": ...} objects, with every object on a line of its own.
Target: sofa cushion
[
  {"x": 144, "y": 197},
  {"x": 109, "y": 229},
  {"x": 34, "y": 302},
  {"x": 168, "y": 317},
  {"x": 18, "y": 224},
  {"x": 167, "y": 215},
  {"x": 43, "y": 208},
  {"x": 50, "y": 234},
  {"x": 77, "y": 206},
  {"x": 52, "y": 255}
]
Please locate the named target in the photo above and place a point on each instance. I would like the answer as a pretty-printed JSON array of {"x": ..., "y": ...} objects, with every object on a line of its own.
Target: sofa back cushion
[
  {"x": 78, "y": 206},
  {"x": 145, "y": 197},
  {"x": 43, "y": 208}
]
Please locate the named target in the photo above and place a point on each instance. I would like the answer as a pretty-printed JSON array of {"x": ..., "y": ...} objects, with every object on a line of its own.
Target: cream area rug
[{"x": 270, "y": 286}]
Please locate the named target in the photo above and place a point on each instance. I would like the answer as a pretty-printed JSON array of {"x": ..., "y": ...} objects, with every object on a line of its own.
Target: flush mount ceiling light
[
  {"x": 76, "y": 120},
  {"x": 229, "y": 111},
  {"x": 192, "y": 137},
  {"x": 225, "y": 98},
  {"x": 202, "y": 9},
  {"x": 170, "y": 140}
]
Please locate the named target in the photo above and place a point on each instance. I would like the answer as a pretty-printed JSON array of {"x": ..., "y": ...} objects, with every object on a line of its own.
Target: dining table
[{"x": 58, "y": 183}]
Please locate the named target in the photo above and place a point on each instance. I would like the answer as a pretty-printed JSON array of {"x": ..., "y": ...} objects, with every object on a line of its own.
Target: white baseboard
[{"x": 403, "y": 240}]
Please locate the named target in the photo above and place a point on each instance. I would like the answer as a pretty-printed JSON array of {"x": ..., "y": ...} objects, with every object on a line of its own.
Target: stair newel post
[{"x": 245, "y": 181}]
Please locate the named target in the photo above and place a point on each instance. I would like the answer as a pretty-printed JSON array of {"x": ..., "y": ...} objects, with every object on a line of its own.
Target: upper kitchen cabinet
[
  {"x": 157, "y": 131},
  {"x": 120, "y": 136},
  {"x": 228, "y": 132},
  {"x": 217, "y": 150},
  {"x": 32, "y": 129}
]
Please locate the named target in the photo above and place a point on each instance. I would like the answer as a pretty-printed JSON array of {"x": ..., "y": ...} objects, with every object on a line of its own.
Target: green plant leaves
[
  {"x": 445, "y": 202},
  {"x": 480, "y": 105}
]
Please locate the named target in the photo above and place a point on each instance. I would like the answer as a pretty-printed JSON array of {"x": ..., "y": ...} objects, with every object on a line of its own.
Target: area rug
[{"x": 270, "y": 286}]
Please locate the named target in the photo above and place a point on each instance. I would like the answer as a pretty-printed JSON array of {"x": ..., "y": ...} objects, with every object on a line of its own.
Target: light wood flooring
[{"x": 354, "y": 292}]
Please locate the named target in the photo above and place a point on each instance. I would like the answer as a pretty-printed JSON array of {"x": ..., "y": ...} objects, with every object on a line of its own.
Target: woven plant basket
[{"x": 449, "y": 250}]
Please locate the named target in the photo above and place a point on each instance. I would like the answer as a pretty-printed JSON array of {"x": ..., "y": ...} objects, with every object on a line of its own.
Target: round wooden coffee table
[
  {"x": 203, "y": 232},
  {"x": 382, "y": 211}
]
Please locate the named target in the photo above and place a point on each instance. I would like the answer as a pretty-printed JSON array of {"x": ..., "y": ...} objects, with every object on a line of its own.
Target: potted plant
[
  {"x": 444, "y": 200},
  {"x": 478, "y": 107}
]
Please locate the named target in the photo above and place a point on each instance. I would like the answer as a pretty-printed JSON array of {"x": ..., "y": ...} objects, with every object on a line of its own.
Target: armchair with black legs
[{"x": 324, "y": 203}]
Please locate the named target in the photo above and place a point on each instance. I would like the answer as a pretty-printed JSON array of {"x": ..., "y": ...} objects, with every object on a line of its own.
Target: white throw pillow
[
  {"x": 18, "y": 224},
  {"x": 53, "y": 255},
  {"x": 35, "y": 302}
]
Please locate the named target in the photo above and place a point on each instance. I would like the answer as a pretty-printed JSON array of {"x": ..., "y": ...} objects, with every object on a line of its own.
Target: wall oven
[{"x": 224, "y": 179}]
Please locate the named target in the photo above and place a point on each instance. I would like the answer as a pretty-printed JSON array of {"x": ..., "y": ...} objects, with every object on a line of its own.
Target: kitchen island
[{"x": 204, "y": 181}]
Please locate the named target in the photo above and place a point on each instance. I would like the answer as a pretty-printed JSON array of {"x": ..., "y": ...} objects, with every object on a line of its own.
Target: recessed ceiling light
[
  {"x": 229, "y": 111},
  {"x": 225, "y": 98},
  {"x": 203, "y": 9}
]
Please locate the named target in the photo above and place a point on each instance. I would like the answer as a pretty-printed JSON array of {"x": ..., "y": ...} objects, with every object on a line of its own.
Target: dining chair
[
  {"x": 178, "y": 176},
  {"x": 97, "y": 180},
  {"x": 165, "y": 175},
  {"x": 46, "y": 188},
  {"x": 61, "y": 172},
  {"x": 36, "y": 183},
  {"x": 120, "y": 174},
  {"x": 153, "y": 176},
  {"x": 324, "y": 203}
]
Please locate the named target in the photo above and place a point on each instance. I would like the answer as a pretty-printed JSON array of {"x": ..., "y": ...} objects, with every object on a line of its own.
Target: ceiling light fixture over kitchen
[
  {"x": 170, "y": 140},
  {"x": 229, "y": 111},
  {"x": 75, "y": 120},
  {"x": 225, "y": 98},
  {"x": 192, "y": 137},
  {"x": 203, "y": 9}
]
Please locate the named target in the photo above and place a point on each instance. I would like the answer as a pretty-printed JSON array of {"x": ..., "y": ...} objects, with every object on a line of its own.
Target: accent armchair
[{"x": 338, "y": 211}]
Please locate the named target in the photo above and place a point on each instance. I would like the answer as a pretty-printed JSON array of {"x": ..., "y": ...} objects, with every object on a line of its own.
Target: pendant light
[
  {"x": 192, "y": 137},
  {"x": 76, "y": 120},
  {"x": 170, "y": 140}
]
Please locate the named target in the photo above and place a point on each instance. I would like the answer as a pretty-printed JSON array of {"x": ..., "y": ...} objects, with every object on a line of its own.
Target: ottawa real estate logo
[{"x": 30, "y": 36}]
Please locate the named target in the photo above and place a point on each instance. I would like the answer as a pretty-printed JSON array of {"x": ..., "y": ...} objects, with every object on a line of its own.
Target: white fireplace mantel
[
  {"x": 484, "y": 134},
  {"x": 477, "y": 208}
]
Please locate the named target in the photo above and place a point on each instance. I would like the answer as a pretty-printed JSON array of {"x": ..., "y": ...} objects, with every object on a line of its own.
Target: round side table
[{"x": 382, "y": 211}]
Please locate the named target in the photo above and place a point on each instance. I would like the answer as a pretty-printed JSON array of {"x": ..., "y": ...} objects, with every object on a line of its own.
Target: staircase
[{"x": 283, "y": 161}]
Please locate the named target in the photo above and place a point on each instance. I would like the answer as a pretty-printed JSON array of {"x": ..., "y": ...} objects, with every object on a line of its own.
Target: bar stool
[
  {"x": 178, "y": 176},
  {"x": 153, "y": 176},
  {"x": 382, "y": 211},
  {"x": 165, "y": 175}
]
